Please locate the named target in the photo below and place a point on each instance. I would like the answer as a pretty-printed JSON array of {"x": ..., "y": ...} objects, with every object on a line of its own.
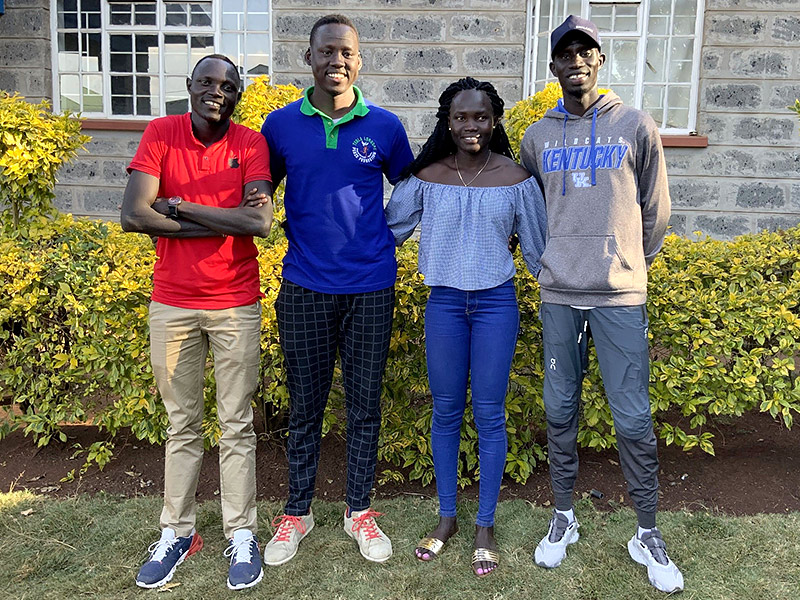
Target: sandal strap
[
  {"x": 485, "y": 555},
  {"x": 431, "y": 544}
]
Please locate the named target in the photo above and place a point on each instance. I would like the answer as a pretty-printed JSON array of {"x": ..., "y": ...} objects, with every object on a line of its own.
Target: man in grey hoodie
[{"x": 601, "y": 167}]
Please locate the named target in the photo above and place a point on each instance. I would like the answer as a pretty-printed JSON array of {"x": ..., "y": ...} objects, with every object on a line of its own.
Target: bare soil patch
[{"x": 755, "y": 470}]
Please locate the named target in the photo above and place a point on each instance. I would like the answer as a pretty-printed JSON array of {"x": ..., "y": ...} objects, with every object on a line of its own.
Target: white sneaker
[
  {"x": 372, "y": 542},
  {"x": 651, "y": 551},
  {"x": 288, "y": 533},
  {"x": 553, "y": 547}
]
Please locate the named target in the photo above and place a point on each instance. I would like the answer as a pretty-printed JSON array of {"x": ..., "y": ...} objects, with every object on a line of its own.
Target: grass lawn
[{"x": 92, "y": 548}]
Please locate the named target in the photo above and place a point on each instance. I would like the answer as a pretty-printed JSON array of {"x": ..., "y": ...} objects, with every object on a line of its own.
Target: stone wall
[
  {"x": 25, "y": 64},
  {"x": 748, "y": 179}
]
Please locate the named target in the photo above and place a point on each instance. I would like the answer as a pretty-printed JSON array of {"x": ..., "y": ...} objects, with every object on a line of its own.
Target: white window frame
[
  {"x": 533, "y": 25},
  {"x": 215, "y": 31}
]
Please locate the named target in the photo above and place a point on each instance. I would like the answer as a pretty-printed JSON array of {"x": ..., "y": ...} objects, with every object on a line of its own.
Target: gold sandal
[
  {"x": 432, "y": 545},
  {"x": 485, "y": 555}
]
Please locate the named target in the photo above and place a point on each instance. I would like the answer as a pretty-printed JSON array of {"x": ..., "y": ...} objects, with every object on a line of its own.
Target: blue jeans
[{"x": 470, "y": 337}]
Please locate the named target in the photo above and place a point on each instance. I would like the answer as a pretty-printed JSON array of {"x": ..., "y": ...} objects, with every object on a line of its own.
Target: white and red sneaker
[
  {"x": 372, "y": 542},
  {"x": 289, "y": 530}
]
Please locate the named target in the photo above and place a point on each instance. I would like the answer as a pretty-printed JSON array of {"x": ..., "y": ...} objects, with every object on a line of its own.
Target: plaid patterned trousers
[{"x": 312, "y": 327}]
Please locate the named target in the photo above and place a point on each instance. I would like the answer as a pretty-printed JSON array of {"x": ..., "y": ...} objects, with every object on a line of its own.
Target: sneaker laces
[
  {"x": 656, "y": 546},
  {"x": 366, "y": 524},
  {"x": 158, "y": 550},
  {"x": 284, "y": 525},
  {"x": 241, "y": 551},
  {"x": 558, "y": 526}
]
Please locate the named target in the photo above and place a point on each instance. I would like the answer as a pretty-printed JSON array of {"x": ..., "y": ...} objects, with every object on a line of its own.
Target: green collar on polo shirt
[{"x": 332, "y": 128}]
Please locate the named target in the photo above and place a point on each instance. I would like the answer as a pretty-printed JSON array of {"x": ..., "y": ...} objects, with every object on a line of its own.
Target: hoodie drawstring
[
  {"x": 592, "y": 153},
  {"x": 564, "y": 159}
]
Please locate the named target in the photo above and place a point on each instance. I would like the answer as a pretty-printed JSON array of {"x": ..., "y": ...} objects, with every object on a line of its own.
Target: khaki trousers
[{"x": 179, "y": 342}]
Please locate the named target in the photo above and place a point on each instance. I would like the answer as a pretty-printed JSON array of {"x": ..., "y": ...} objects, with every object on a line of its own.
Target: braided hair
[{"x": 440, "y": 144}]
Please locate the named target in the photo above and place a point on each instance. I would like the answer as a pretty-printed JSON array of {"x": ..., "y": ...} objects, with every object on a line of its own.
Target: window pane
[
  {"x": 653, "y": 102},
  {"x": 683, "y": 25},
  {"x": 70, "y": 87},
  {"x": 148, "y": 103},
  {"x": 177, "y": 102},
  {"x": 145, "y": 13},
  {"x": 573, "y": 8},
  {"x": 147, "y": 54},
  {"x": 92, "y": 93},
  {"x": 120, "y": 13},
  {"x": 658, "y": 25},
  {"x": 626, "y": 92},
  {"x": 543, "y": 68},
  {"x": 200, "y": 15},
  {"x": 257, "y": 16},
  {"x": 233, "y": 15},
  {"x": 678, "y": 96},
  {"x": 655, "y": 68},
  {"x": 622, "y": 62},
  {"x": 90, "y": 14},
  {"x": 176, "y": 54},
  {"x": 626, "y": 18},
  {"x": 661, "y": 7},
  {"x": 257, "y": 54},
  {"x": 678, "y": 107},
  {"x": 122, "y": 95},
  {"x": 91, "y": 50},
  {"x": 686, "y": 8},
  {"x": 231, "y": 46},
  {"x": 177, "y": 14},
  {"x": 601, "y": 15},
  {"x": 202, "y": 45},
  {"x": 68, "y": 55},
  {"x": 121, "y": 52},
  {"x": 67, "y": 14}
]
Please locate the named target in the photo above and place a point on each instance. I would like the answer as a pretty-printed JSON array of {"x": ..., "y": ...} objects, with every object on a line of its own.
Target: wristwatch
[{"x": 172, "y": 205}]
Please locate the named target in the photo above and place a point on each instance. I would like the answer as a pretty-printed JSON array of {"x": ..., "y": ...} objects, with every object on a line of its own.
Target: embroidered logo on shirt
[
  {"x": 364, "y": 149},
  {"x": 233, "y": 163}
]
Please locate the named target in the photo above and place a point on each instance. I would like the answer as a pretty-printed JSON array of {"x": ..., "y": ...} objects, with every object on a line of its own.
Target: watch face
[{"x": 174, "y": 200}]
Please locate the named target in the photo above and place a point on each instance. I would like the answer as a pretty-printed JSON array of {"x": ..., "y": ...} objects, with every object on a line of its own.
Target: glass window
[
  {"x": 652, "y": 50},
  {"x": 120, "y": 58}
]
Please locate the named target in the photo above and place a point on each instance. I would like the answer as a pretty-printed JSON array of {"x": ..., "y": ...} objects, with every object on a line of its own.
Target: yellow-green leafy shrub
[
  {"x": 73, "y": 344},
  {"x": 34, "y": 143},
  {"x": 261, "y": 98}
]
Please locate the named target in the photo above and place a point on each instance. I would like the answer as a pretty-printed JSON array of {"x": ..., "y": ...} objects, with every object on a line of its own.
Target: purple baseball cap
[{"x": 575, "y": 24}]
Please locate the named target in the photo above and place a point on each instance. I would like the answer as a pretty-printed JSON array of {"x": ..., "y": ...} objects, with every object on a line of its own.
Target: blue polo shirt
[{"x": 339, "y": 242}]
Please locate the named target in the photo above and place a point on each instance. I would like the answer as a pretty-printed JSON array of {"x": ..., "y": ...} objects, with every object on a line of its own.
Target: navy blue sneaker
[
  {"x": 165, "y": 556},
  {"x": 245, "y": 570}
]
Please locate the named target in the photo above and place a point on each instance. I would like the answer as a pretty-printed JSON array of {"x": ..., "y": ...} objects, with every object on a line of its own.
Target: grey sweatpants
[{"x": 620, "y": 338}]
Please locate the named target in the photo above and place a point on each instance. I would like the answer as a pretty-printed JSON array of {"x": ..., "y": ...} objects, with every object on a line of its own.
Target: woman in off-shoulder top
[{"x": 470, "y": 196}]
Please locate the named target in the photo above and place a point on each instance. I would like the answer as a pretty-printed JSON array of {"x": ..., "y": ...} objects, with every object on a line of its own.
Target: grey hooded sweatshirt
[{"x": 605, "y": 187}]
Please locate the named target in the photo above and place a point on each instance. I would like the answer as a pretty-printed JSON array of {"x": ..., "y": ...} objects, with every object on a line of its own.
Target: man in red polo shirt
[{"x": 186, "y": 187}]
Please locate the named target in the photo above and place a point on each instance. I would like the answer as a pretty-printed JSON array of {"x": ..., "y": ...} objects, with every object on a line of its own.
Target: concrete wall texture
[
  {"x": 748, "y": 179},
  {"x": 25, "y": 64}
]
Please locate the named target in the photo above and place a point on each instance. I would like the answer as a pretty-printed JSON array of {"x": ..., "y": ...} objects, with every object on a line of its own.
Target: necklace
[{"x": 467, "y": 183}]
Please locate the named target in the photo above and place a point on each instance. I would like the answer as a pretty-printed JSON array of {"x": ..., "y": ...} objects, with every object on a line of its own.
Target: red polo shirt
[{"x": 207, "y": 272}]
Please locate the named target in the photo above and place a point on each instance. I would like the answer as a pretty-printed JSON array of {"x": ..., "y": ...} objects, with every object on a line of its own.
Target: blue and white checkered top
[{"x": 464, "y": 236}]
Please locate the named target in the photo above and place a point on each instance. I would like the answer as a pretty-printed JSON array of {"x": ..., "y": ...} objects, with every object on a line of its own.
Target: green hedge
[{"x": 74, "y": 345}]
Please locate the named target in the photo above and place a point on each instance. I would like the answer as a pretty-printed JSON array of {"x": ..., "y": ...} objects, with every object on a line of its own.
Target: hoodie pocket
[{"x": 591, "y": 263}]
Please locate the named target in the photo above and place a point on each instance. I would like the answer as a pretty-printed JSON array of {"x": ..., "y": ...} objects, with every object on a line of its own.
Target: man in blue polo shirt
[{"x": 337, "y": 293}]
